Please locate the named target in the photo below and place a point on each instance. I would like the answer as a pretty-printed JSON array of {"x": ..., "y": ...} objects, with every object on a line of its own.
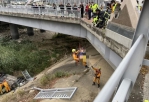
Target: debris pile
[{"x": 144, "y": 70}]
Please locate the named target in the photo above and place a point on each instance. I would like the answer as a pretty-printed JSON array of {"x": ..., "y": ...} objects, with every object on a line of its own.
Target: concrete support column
[
  {"x": 14, "y": 31},
  {"x": 41, "y": 30},
  {"x": 30, "y": 31}
]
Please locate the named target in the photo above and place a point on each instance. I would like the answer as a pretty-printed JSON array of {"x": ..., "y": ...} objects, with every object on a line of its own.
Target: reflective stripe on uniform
[{"x": 113, "y": 9}]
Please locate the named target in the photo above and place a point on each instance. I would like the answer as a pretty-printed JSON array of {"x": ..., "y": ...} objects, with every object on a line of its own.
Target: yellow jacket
[{"x": 75, "y": 57}]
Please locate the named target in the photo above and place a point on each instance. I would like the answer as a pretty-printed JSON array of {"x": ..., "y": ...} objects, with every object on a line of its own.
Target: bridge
[{"x": 115, "y": 43}]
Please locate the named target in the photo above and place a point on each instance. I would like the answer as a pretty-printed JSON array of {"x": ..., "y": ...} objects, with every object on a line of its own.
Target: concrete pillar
[
  {"x": 30, "y": 31},
  {"x": 14, "y": 31},
  {"x": 41, "y": 30}
]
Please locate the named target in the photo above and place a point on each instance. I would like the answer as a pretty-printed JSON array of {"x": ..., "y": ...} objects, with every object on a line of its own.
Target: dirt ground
[{"x": 85, "y": 91}]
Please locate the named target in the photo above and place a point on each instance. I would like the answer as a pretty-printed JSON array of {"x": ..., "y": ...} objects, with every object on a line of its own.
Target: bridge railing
[{"x": 43, "y": 11}]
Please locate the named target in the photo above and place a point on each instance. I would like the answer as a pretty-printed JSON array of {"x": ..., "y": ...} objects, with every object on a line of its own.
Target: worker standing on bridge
[
  {"x": 97, "y": 19},
  {"x": 106, "y": 17},
  {"x": 97, "y": 76},
  {"x": 7, "y": 87},
  {"x": 94, "y": 8}
]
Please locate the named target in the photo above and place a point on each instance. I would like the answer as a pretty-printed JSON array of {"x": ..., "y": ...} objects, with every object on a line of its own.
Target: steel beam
[
  {"x": 130, "y": 66},
  {"x": 123, "y": 91},
  {"x": 143, "y": 23},
  {"x": 107, "y": 91}
]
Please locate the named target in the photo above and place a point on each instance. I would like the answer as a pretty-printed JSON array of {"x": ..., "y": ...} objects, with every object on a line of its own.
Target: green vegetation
[
  {"x": 16, "y": 56},
  {"x": 35, "y": 56}
]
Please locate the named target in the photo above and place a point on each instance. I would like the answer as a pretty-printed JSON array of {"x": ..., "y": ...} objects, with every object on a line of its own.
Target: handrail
[
  {"x": 114, "y": 80},
  {"x": 43, "y": 11},
  {"x": 130, "y": 66}
]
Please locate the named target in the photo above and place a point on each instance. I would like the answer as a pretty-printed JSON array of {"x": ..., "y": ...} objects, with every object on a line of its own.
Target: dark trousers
[
  {"x": 81, "y": 15},
  {"x": 89, "y": 14}
]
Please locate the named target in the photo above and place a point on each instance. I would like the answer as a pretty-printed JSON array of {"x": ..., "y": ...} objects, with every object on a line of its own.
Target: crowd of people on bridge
[{"x": 92, "y": 11}]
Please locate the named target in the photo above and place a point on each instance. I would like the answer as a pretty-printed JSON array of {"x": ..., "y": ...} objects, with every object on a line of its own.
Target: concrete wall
[
  {"x": 111, "y": 49},
  {"x": 131, "y": 6}
]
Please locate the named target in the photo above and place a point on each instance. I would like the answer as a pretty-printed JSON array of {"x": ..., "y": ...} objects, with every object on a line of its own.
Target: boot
[
  {"x": 98, "y": 85},
  {"x": 93, "y": 83},
  {"x": 86, "y": 66}
]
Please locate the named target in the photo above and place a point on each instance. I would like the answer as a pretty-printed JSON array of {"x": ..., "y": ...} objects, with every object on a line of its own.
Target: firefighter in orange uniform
[
  {"x": 97, "y": 76},
  {"x": 1, "y": 87},
  {"x": 7, "y": 87},
  {"x": 75, "y": 56}
]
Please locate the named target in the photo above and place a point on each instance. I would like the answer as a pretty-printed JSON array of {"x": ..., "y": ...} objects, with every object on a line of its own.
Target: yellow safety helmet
[{"x": 73, "y": 50}]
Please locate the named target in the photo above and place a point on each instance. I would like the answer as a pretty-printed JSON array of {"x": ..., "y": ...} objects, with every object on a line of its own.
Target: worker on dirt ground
[
  {"x": 75, "y": 56},
  {"x": 97, "y": 76},
  {"x": 7, "y": 87},
  {"x": 82, "y": 54},
  {"x": 1, "y": 87}
]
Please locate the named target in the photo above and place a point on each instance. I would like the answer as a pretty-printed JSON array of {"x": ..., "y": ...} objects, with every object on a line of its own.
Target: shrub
[{"x": 16, "y": 56}]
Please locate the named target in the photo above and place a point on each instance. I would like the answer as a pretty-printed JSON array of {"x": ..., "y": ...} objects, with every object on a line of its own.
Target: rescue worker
[
  {"x": 82, "y": 54},
  {"x": 6, "y": 85},
  {"x": 140, "y": 6},
  {"x": 1, "y": 87},
  {"x": 75, "y": 56},
  {"x": 97, "y": 19},
  {"x": 106, "y": 17},
  {"x": 94, "y": 8},
  {"x": 82, "y": 58},
  {"x": 97, "y": 76}
]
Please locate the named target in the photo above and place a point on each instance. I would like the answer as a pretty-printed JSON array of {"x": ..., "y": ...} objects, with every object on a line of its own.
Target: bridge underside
[{"x": 74, "y": 29}]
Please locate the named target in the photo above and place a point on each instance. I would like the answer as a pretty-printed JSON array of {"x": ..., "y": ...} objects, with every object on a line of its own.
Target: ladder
[
  {"x": 65, "y": 93},
  {"x": 27, "y": 75}
]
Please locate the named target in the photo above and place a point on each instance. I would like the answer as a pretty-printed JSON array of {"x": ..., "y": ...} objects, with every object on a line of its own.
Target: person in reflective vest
[
  {"x": 94, "y": 8},
  {"x": 97, "y": 76},
  {"x": 97, "y": 19},
  {"x": 139, "y": 5},
  {"x": 116, "y": 7},
  {"x": 106, "y": 17},
  {"x": 7, "y": 87}
]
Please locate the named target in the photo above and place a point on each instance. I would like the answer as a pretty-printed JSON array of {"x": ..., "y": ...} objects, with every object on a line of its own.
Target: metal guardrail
[
  {"x": 64, "y": 93},
  {"x": 124, "y": 77},
  {"x": 43, "y": 11}
]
